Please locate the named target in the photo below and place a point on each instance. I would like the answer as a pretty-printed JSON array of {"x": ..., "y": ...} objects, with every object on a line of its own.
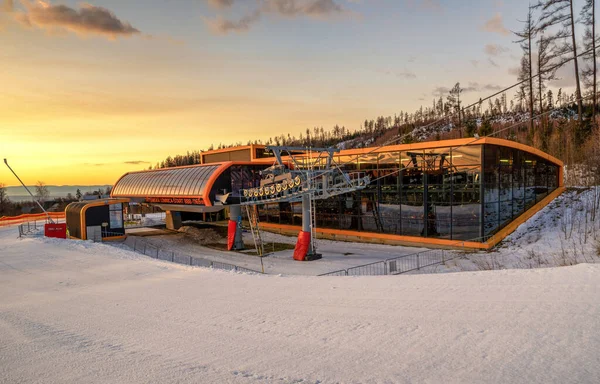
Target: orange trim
[
  {"x": 397, "y": 239},
  {"x": 425, "y": 241},
  {"x": 439, "y": 144},
  {"x": 222, "y": 166},
  {"x": 522, "y": 147},
  {"x": 513, "y": 225},
  {"x": 211, "y": 181},
  {"x": 98, "y": 203},
  {"x": 114, "y": 238},
  {"x": 233, "y": 149},
  {"x": 561, "y": 176}
]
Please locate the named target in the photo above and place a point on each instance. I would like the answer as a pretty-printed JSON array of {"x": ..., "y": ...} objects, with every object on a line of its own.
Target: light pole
[{"x": 27, "y": 189}]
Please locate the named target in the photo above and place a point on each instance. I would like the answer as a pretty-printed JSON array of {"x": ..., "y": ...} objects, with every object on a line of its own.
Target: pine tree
[
  {"x": 5, "y": 203},
  {"x": 486, "y": 128},
  {"x": 454, "y": 101}
]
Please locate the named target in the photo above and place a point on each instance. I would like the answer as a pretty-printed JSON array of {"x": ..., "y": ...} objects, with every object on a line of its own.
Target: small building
[{"x": 96, "y": 220}]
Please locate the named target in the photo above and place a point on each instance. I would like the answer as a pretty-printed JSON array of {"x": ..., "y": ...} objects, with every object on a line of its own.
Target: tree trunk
[
  {"x": 542, "y": 117},
  {"x": 530, "y": 79},
  {"x": 578, "y": 89},
  {"x": 540, "y": 76},
  {"x": 594, "y": 98}
]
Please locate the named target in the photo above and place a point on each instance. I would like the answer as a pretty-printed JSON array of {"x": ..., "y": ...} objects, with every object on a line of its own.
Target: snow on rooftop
[{"x": 73, "y": 311}]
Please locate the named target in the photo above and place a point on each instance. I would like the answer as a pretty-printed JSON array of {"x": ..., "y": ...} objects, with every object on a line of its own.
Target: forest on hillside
[{"x": 554, "y": 34}]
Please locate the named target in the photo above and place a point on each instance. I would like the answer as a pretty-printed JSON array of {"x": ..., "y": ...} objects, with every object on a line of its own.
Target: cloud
[
  {"x": 514, "y": 71},
  {"x": 433, "y": 5},
  {"x": 221, "y": 3},
  {"x": 440, "y": 91},
  {"x": 7, "y": 6},
  {"x": 476, "y": 87},
  {"x": 406, "y": 74},
  {"x": 495, "y": 25},
  {"x": 316, "y": 9},
  {"x": 495, "y": 49},
  {"x": 428, "y": 5},
  {"x": 223, "y": 26},
  {"x": 470, "y": 87},
  {"x": 475, "y": 63},
  {"x": 136, "y": 162},
  {"x": 294, "y": 8},
  {"x": 88, "y": 19}
]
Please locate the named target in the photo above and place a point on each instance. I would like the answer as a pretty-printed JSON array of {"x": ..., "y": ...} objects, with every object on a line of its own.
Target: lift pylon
[{"x": 303, "y": 175}]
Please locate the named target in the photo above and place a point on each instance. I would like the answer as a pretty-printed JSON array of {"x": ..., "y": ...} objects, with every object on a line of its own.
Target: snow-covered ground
[
  {"x": 336, "y": 255},
  {"x": 73, "y": 311},
  {"x": 563, "y": 233}
]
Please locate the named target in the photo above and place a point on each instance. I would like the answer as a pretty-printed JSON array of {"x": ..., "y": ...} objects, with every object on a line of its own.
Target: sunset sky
[{"x": 91, "y": 90}]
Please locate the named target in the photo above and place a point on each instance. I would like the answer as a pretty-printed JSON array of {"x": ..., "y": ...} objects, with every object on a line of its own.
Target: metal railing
[
  {"x": 408, "y": 263},
  {"x": 156, "y": 252},
  {"x": 35, "y": 227},
  {"x": 399, "y": 265},
  {"x": 30, "y": 228}
]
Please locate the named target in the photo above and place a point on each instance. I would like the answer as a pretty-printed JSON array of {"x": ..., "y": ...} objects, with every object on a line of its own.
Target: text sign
[
  {"x": 174, "y": 200},
  {"x": 58, "y": 231}
]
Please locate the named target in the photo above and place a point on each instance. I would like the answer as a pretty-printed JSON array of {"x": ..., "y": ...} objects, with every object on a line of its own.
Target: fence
[
  {"x": 406, "y": 263},
  {"x": 6, "y": 221},
  {"x": 159, "y": 253},
  {"x": 30, "y": 229},
  {"x": 35, "y": 227}
]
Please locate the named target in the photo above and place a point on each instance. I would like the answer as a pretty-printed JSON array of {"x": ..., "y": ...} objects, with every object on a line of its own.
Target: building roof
[
  {"x": 453, "y": 143},
  {"x": 188, "y": 182}
]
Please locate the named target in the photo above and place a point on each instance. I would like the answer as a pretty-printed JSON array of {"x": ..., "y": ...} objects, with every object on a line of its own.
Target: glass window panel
[
  {"x": 491, "y": 217},
  {"x": 466, "y": 155}
]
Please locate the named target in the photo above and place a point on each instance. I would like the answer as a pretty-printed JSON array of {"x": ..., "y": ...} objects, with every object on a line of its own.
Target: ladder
[
  {"x": 252, "y": 213},
  {"x": 313, "y": 224},
  {"x": 377, "y": 218}
]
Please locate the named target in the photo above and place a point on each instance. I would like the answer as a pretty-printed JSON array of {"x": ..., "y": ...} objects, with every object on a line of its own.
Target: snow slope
[{"x": 90, "y": 313}]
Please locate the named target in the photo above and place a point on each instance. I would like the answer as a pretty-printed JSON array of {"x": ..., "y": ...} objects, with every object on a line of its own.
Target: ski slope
[{"x": 77, "y": 312}]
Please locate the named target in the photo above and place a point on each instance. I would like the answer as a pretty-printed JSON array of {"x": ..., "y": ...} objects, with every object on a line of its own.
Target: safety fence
[
  {"x": 156, "y": 252},
  {"x": 35, "y": 227},
  {"x": 26, "y": 218},
  {"x": 408, "y": 263}
]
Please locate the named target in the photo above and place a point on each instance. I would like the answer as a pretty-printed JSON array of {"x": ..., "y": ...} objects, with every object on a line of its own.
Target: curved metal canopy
[{"x": 183, "y": 182}]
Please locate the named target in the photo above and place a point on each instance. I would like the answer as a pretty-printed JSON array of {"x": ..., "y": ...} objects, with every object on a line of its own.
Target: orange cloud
[{"x": 88, "y": 19}]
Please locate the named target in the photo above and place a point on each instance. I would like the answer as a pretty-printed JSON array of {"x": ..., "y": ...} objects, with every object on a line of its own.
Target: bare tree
[
  {"x": 588, "y": 19},
  {"x": 526, "y": 35},
  {"x": 560, "y": 13},
  {"x": 545, "y": 63},
  {"x": 524, "y": 93},
  {"x": 41, "y": 191}
]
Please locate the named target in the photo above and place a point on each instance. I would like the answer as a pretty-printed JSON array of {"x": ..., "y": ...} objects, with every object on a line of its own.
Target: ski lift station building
[{"x": 472, "y": 192}]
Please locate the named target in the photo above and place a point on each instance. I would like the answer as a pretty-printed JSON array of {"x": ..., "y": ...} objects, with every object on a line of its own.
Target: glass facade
[
  {"x": 454, "y": 193},
  {"x": 514, "y": 181}
]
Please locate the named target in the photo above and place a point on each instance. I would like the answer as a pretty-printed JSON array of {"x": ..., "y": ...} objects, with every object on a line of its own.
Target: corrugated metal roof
[{"x": 186, "y": 181}]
